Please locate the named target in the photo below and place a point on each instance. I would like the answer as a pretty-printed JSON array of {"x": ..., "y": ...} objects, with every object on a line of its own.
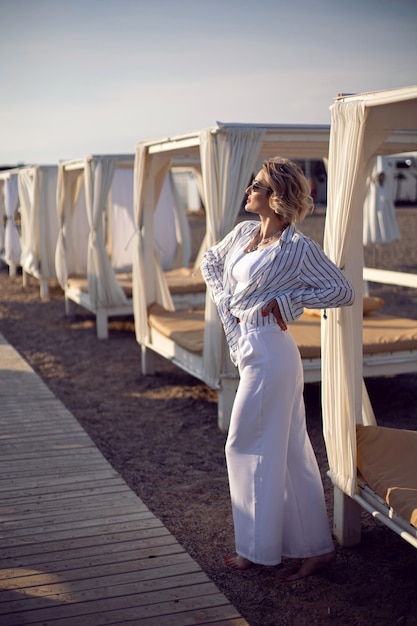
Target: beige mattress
[
  {"x": 184, "y": 280},
  {"x": 80, "y": 282},
  {"x": 381, "y": 333},
  {"x": 180, "y": 281},
  {"x": 186, "y": 328},
  {"x": 387, "y": 461}
]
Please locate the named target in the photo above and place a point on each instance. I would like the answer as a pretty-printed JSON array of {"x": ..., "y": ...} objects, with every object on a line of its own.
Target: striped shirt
[{"x": 294, "y": 270}]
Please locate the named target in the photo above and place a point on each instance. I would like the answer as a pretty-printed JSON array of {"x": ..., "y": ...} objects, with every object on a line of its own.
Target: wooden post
[
  {"x": 69, "y": 307},
  {"x": 44, "y": 288},
  {"x": 25, "y": 278},
  {"x": 226, "y": 397},
  {"x": 102, "y": 326},
  {"x": 346, "y": 519},
  {"x": 147, "y": 361}
]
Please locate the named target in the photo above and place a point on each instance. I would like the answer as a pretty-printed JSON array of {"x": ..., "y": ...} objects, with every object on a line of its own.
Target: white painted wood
[
  {"x": 389, "y": 277},
  {"x": 346, "y": 519}
]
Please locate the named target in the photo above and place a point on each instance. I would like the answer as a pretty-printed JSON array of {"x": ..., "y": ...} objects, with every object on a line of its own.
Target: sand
[{"x": 160, "y": 433}]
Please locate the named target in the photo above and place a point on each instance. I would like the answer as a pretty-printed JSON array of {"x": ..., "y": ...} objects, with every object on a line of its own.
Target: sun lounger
[
  {"x": 389, "y": 343},
  {"x": 387, "y": 476}
]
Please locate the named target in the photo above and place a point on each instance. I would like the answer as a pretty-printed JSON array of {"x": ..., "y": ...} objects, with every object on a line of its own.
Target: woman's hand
[{"x": 272, "y": 307}]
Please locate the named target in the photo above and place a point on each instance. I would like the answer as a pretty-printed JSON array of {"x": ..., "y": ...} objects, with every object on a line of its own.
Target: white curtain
[
  {"x": 122, "y": 222},
  {"x": 182, "y": 227},
  {"x": 103, "y": 287},
  {"x": 138, "y": 256},
  {"x": 121, "y": 226},
  {"x": 48, "y": 176},
  {"x": 149, "y": 284},
  {"x": 61, "y": 267},
  {"x": 165, "y": 228},
  {"x": 344, "y": 397},
  {"x": 2, "y": 216},
  {"x": 228, "y": 159},
  {"x": 71, "y": 247},
  {"x": 29, "y": 212},
  {"x": 37, "y": 193},
  {"x": 12, "y": 248}
]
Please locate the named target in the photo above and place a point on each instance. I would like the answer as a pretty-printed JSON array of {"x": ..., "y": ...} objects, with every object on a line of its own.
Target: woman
[{"x": 261, "y": 276}]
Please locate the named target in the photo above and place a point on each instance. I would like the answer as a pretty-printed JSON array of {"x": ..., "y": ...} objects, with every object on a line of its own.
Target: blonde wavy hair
[{"x": 291, "y": 193}]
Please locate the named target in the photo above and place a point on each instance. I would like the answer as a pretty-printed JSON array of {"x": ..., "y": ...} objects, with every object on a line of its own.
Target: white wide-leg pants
[{"x": 275, "y": 484}]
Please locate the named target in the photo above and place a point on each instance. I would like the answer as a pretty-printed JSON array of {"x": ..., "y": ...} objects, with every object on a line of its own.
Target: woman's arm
[
  {"x": 212, "y": 267},
  {"x": 321, "y": 284}
]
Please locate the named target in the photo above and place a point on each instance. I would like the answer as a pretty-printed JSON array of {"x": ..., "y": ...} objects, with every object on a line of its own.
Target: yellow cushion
[
  {"x": 381, "y": 333},
  {"x": 184, "y": 280},
  {"x": 370, "y": 303},
  {"x": 186, "y": 328},
  {"x": 387, "y": 460}
]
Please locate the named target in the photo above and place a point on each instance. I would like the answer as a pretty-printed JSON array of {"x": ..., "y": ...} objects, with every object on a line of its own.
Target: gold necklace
[{"x": 262, "y": 242}]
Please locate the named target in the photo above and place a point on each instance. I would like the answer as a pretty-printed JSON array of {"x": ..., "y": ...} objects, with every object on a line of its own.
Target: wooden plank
[
  {"x": 113, "y": 480},
  {"x": 192, "y": 611},
  {"x": 93, "y": 595},
  {"x": 82, "y": 529},
  {"x": 145, "y": 583},
  {"x": 147, "y": 546},
  {"x": 27, "y": 579},
  {"x": 44, "y": 506},
  {"x": 77, "y": 546},
  {"x": 25, "y": 549},
  {"x": 74, "y": 468},
  {"x": 56, "y": 584},
  {"x": 16, "y": 447},
  {"x": 63, "y": 481},
  {"x": 55, "y": 519},
  {"x": 44, "y": 611},
  {"x": 128, "y": 608},
  {"x": 58, "y": 498},
  {"x": 51, "y": 454}
]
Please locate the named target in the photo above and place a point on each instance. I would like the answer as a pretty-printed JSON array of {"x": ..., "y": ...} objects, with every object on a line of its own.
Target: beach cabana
[
  {"x": 39, "y": 223},
  {"x": 96, "y": 228},
  {"x": 10, "y": 247},
  {"x": 225, "y": 157},
  {"x": 362, "y": 127}
]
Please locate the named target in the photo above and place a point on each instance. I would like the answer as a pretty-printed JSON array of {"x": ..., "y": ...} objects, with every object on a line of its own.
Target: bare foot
[
  {"x": 238, "y": 563},
  {"x": 313, "y": 565}
]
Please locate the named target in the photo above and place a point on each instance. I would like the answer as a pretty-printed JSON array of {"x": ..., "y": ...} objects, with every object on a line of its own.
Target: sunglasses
[{"x": 256, "y": 186}]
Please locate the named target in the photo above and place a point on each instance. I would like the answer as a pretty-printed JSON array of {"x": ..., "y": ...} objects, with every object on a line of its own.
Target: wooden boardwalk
[{"x": 77, "y": 546}]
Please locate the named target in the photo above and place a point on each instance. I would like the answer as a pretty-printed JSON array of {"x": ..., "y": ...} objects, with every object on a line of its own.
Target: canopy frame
[
  {"x": 226, "y": 156},
  {"x": 91, "y": 176},
  {"x": 362, "y": 127}
]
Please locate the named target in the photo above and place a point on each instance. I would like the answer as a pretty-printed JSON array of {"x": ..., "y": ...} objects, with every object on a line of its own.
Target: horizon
[{"x": 98, "y": 76}]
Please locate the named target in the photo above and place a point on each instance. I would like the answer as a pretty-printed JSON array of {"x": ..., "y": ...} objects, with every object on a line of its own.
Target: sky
[{"x": 86, "y": 77}]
